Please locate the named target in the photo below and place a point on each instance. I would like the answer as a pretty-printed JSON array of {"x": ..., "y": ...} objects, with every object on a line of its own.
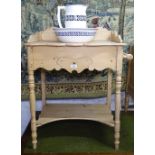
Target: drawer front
[{"x": 74, "y": 58}]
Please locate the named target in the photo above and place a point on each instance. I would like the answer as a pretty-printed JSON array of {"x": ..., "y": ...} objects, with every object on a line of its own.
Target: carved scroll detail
[{"x": 77, "y": 64}]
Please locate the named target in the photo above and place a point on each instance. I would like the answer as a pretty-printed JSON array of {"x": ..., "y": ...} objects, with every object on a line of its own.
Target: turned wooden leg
[
  {"x": 33, "y": 109},
  {"x": 117, "y": 110},
  {"x": 109, "y": 88},
  {"x": 43, "y": 86}
]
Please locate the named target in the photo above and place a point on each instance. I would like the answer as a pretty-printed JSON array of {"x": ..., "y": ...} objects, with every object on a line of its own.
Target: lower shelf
[{"x": 55, "y": 112}]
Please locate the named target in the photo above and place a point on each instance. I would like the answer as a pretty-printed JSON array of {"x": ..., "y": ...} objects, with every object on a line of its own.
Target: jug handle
[{"x": 58, "y": 15}]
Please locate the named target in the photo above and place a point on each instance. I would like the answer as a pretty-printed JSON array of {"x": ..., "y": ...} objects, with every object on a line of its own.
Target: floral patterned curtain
[{"x": 37, "y": 15}]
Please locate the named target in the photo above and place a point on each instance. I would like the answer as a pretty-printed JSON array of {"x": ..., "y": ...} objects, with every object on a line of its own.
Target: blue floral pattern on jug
[{"x": 75, "y": 18}]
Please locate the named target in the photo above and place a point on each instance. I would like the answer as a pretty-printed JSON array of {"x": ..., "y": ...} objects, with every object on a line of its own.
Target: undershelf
[{"x": 55, "y": 112}]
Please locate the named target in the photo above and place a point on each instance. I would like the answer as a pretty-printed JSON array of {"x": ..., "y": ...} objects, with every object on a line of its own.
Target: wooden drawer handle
[{"x": 127, "y": 56}]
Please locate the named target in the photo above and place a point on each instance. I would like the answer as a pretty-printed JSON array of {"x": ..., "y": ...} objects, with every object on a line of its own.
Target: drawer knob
[{"x": 73, "y": 65}]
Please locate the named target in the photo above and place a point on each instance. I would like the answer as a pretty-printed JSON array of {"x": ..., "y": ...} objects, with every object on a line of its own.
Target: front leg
[
  {"x": 33, "y": 109},
  {"x": 117, "y": 110}
]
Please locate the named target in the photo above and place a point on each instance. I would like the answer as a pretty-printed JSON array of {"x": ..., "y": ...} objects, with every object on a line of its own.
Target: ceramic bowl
[{"x": 75, "y": 35}]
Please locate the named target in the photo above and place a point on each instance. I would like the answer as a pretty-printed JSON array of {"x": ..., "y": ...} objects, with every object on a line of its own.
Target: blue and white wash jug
[{"x": 75, "y": 16}]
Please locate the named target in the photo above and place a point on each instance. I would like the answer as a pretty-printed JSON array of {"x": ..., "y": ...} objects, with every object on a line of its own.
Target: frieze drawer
[{"x": 78, "y": 59}]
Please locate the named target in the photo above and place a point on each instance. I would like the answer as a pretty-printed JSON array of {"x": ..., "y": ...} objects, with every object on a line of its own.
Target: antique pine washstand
[{"x": 47, "y": 53}]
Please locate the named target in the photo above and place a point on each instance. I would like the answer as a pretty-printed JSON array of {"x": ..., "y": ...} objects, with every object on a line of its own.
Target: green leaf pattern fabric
[{"x": 37, "y": 15}]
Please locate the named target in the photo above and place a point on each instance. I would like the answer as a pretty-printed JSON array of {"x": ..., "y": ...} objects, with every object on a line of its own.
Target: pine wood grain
[
  {"x": 106, "y": 51},
  {"x": 55, "y": 112}
]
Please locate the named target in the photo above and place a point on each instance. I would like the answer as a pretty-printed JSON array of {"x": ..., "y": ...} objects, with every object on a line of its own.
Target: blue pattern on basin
[{"x": 75, "y": 33}]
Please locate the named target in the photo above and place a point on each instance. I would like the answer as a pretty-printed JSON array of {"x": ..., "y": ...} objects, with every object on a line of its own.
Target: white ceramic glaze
[
  {"x": 76, "y": 35},
  {"x": 75, "y": 16}
]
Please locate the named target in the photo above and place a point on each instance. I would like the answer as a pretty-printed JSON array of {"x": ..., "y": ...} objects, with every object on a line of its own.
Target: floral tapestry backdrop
[{"x": 38, "y": 15}]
